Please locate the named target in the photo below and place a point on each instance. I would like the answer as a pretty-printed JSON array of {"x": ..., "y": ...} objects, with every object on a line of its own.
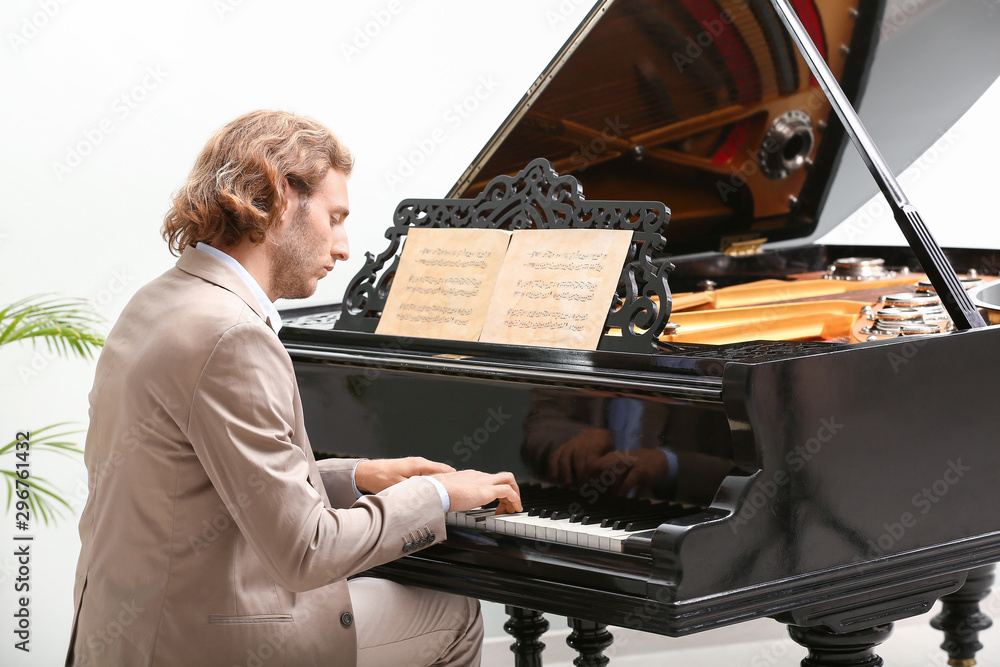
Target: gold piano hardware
[
  {"x": 773, "y": 290},
  {"x": 738, "y": 246},
  {"x": 798, "y": 309},
  {"x": 453, "y": 357}
]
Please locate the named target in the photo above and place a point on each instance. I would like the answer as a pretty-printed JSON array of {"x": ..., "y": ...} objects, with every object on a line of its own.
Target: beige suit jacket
[{"x": 208, "y": 536}]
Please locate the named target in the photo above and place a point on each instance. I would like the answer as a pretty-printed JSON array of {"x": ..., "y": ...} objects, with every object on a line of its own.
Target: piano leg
[
  {"x": 590, "y": 639},
  {"x": 961, "y": 620},
  {"x": 849, "y": 649},
  {"x": 526, "y": 626}
]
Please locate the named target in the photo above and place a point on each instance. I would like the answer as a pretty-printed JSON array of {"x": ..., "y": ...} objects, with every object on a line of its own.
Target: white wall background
[{"x": 105, "y": 105}]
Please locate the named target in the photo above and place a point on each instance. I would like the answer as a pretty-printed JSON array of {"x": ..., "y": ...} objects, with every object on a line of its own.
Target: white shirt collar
[{"x": 265, "y": 303}]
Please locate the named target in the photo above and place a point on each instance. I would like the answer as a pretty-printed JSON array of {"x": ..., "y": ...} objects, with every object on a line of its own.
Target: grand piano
[{"x": 800, "y": 433}]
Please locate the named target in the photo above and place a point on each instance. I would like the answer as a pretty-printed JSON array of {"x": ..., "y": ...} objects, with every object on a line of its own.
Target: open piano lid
[{"x": 705, "y": 105}]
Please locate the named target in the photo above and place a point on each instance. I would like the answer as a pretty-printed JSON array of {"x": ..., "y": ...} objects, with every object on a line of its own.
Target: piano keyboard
[{"x": 555, "y": 514}]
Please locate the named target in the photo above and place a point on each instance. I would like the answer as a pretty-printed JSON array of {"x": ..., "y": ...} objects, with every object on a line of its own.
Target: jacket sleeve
[
  {"x": 338, "y": 480},
  {"x": 241, "y": 425}
]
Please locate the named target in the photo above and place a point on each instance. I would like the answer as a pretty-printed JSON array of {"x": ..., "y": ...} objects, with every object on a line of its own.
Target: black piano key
[
  {"x": 608, "y": 510},
  {"x": 649, "y": 513},
  {"x": 556, "y": 500},
  {"x": 665, "y": 512}
]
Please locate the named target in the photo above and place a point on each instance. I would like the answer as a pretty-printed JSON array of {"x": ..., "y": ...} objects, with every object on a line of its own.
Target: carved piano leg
[
  {"x": 961, "y": 620},
  {"x": 526, "y": 626},
  {"x": 590, "y": 640},
  {"x": 849, "y": 649}
]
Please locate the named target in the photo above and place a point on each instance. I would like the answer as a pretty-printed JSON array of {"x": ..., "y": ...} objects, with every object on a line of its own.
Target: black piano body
[{"x": 834, "y": 483}]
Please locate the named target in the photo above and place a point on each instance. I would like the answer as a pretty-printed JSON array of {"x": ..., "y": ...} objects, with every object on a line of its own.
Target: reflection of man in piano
[
  {"x": 209, "y": 521},
  {"x": 616, "y": 445}
]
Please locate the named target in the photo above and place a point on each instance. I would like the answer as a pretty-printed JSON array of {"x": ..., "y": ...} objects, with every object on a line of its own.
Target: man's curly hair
[{"x": 235, "y": 191}]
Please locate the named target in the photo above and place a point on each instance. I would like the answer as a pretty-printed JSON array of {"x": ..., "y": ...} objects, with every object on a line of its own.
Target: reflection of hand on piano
[
  {"x": 591, "y": 457},
  {"x": 577, "y": 459},
  {"x": 468, "y": 489}
]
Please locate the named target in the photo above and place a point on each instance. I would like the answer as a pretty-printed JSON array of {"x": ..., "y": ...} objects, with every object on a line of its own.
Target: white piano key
[{"x": 559, "y": 531}]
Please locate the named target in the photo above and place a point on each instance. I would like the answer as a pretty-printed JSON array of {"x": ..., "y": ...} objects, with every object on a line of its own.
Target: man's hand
[
  {"x": 577, "y": 459},
  {"x": 633, "y": 468},
  {"x": 379, "y": 474},
  {"x": 469, "y": 489},
  {"x": 591, "y": 453}
]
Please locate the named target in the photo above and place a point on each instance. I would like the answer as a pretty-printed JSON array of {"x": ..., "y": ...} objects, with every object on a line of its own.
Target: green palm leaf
[
  {"x": 43, "y": 500},
  {"x": 68, "y": 326}
]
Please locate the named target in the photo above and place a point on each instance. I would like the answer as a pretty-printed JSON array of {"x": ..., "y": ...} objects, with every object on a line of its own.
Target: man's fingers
[
  {"x": 418, "y": 465},
  {"x": 507, "y": 492},
  {"x": 432, "y": 468},
  {"x": 506, "y": 478},
  {"x": 510, "y": 500}
]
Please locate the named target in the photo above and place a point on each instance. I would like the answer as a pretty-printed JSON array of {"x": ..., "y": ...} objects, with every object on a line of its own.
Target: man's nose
[{"x": 341, "y": 249}]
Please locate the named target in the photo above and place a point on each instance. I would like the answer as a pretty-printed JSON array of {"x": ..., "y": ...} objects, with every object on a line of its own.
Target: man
[{"x": 210, "y": 535}]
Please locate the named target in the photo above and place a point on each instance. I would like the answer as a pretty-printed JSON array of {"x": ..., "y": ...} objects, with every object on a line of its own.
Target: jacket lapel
[{"x": 206, "y": 267}]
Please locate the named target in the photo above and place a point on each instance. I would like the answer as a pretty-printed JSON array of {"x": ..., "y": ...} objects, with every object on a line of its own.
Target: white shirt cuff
[
  {"x": 443, "y": 492},
  {"x": 357, "y": 494}
]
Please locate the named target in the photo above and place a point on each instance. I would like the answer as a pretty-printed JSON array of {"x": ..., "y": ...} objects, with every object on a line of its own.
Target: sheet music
[{"x": 556, "y": 287}]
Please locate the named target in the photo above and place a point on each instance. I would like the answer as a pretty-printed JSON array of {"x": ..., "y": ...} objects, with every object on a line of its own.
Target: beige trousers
[{"x": 405, "y": 626}]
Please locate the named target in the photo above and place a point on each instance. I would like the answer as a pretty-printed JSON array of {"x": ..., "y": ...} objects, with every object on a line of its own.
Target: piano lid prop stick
[{"x": 928, "y": 252}]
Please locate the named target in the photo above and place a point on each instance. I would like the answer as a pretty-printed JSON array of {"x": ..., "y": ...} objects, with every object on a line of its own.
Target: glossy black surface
[
  {"x": 835, "y": 487},
  {"x": 852, "y": 476},
  {"x": 489, "y": 421},
  {"x": 961, "y": 620}
]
